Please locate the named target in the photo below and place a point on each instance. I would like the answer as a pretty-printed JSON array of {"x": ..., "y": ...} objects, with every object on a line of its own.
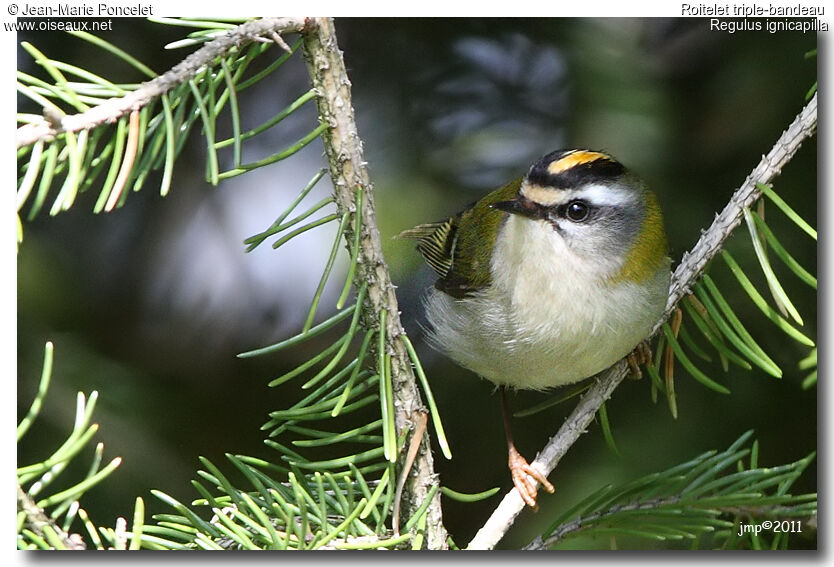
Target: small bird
[{"x": 547, "y": 280}]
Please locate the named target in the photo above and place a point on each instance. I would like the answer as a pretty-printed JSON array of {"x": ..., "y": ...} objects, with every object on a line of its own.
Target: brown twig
[{"x": 413, "y": 446}]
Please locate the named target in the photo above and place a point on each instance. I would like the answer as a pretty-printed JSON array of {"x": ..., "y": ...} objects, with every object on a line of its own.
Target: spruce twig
[
  {"x": 186, "y": 70},
  {"x": 349, "y": 173},
  {"x": 42, "y": 525}
]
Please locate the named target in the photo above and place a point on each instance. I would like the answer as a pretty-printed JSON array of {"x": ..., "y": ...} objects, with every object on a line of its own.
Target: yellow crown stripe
[{"x": 573, "y": 159}]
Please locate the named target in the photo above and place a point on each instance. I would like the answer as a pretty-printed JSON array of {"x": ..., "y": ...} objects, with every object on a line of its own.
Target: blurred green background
[{"x": 149, "y": 304}]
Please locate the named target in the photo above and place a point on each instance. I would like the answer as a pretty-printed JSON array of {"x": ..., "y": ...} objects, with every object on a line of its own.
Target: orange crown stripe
[{"x": 573, "y": 159}]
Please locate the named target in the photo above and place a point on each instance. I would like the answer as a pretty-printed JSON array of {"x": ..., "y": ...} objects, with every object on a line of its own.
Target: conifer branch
[
  {"x": 348, "y": 171},
  {"x": 692, "y": 263},
  {"x": 44, "y": 526},
  {"x": 187, "y": 69},
  {"x": 686, "y": 274}
]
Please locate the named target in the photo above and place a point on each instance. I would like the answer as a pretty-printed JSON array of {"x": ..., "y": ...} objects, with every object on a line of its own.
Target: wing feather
[
  {"x": 436, "y": 243},
  {"x": 462, "y": 263}
]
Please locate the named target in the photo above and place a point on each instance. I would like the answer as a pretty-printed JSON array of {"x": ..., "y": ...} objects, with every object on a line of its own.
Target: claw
[
  {"x": 525, "y": 479},
  {"x": 642, "y": 354},
  {"x": 524, "y": 476}
]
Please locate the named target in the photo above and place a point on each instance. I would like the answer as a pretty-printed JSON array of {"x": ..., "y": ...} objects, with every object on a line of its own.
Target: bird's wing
[
  {"x": 463, "y": 264},
  {"x": 436, "y": 243}
]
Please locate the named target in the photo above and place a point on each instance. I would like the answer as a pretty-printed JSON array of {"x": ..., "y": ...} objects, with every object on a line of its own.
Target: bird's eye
[{"x": 577, "y": 211}]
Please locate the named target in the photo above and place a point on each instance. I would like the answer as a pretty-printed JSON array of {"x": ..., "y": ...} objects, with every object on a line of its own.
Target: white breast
[{"x": 550, "y": 317}]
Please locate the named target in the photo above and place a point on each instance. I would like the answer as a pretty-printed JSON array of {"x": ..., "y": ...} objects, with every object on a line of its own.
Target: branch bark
[
  {"x": 37, "y": 520},
  {"x": 348, "y": 171},
  {"x": 687, "y": 272},
  {"x": 114, "y": 108},
  {"x": 692, "y": 263}
]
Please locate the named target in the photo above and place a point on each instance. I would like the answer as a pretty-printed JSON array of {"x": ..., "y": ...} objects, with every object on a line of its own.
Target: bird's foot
[
  {"x": 641, "y": 355},
  {"x": 525, "y": 479}
]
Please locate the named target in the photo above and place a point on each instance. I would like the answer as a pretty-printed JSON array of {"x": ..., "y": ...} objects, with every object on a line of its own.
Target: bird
[{"x": 547, "y": 280}]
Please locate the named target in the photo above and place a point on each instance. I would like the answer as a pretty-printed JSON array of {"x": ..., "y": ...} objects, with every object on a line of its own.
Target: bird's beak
[{"x": 521, "y": 205}]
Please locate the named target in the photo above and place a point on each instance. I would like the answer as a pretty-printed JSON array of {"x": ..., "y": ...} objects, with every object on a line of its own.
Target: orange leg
[{"x": 525, "y": 477}]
